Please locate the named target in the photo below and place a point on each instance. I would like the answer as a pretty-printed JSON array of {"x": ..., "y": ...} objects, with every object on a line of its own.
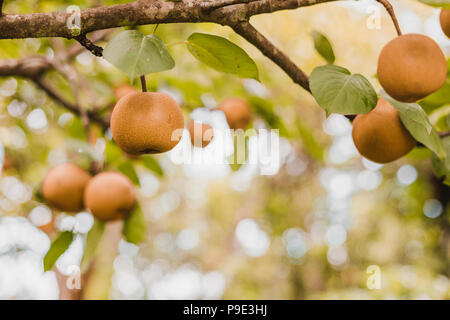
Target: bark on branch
[
  {"x": 234, "y": 13},
  {"x": 141, "y": 12}
]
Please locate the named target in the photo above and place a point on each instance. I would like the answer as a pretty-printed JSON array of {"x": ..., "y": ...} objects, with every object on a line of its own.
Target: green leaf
[
  {"x": 437, "y": 3},
  {"x": 75, "y": 128},
  {"x": 441, "y": 167},
  {"x": 135, "y": 54},
  {"x": 240, "y": 154},
  {"x": 58, "y": 247},
  {"x": 150, "y": 163},
  {"x": 323, "y": 46},
  {"x": 418, "y": 124},
  {"x": 127, "y": 169},
  {"x": 135, "y": 226},
  {"x": 82, "y": 149},
  {"x": 38, "y": 194},
  {"x": 112, "y": 152},
  {"x": 222, "y": 55},
  {"x": 265, "y": 108},
  {"x": 312, "y": 146},
  {"x": 438, "y": 98},
  {"x": 93, "y": 239},
  {"x": 338, "y": 91}
]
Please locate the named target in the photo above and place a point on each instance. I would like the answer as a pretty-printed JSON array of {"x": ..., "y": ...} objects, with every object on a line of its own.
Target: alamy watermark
[
  {"x": 374, "y": 279},
  {"x": 260, "y": 147},
  {"x": 73, "y": 23}
]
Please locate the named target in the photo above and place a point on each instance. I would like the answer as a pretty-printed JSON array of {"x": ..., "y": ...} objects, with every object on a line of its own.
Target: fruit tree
[{"x": 97, "y": 99}]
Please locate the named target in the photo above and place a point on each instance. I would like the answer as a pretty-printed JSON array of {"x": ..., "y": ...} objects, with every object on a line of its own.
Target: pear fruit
[
  {"x": 411, "y": 67},
  {"x": 146, "y": 122},
  {"x": 445, "y": 21},
  {"x": 380, "y": 136},
  {"x": 237, "y": 111},
  {"x": 124, "y": 89},
  {"x": 63, "y": 187},
  {"x": 201, "y": 134},
  {"x": 109, "y": 196}
]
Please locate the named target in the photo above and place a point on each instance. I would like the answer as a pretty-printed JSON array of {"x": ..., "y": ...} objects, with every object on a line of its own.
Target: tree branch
[
  {"x": 141, "y": 12},
  {"x": 41, "y": 83},
  {"x": 33, "y": 66},
  {"x": 248, "y": 32}
]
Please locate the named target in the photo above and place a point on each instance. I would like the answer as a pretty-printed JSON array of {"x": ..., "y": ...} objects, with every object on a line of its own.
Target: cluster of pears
[
  {"x": 107, "y": 195},
  {"x": 237, "y": 113},
  {"x": 410, "y": 67}
]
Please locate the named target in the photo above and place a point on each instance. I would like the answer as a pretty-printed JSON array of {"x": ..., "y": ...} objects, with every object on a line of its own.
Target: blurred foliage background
[{"x": 309, "y": 232}]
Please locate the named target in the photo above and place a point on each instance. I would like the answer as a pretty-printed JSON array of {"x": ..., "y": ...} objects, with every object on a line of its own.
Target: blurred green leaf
[
  {"x": 135, "y": 54},
  {"x": 135, "y": 226},
  {"x": 313, "y": 148},
  {"x": 338, "y": 91},
  {"x": 323, "y": 46},
  {"x": 240, "y": 154},
  {"x": 152, "y": 164},
  {"x": 75, "y": 128},
  {"x": 222, "y": 55},
  {"x": 265, "y": 109},
  {"x": 58, "y": 247},
  {"x": 83, "y": 149},
  {"x": 127, "y": 168},
  {"x": 437, "y": 99},
  {"x": 112, "y": 152},
  {"x": 191, "y": 90},
  {"x": 441, "y": 167},
  {"x": 418, "y": 124},
  {"x": 437, "y": 3},
  {"x": 439, "y": 117},
  {"x": 92, "y": 241},
  {"x": 38, "y": 195}
]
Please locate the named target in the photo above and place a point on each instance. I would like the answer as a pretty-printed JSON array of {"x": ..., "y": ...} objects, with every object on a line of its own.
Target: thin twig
[
  {"x": 156, "y": 28},
  {"x": 88, "y": 44},
  {"x": 444, "y": 134},
  {"x": 391, "y": 12},
  {"x": 143, "y": 84},
  {"x": 95, "y": 36},
  {"x": 72, "y": 77},
  {"x": 51, "y": 92},
  {"x": 1, "y": 8}
]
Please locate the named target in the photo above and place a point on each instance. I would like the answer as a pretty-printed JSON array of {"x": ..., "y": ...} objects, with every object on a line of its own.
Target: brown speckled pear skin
[
  {"x": 445, "y": 21},
  {"x": 147, "y": 122},
  {"x": 63, "y": 187},
  {"x": 237, "y": 111},
  {"x": 380, "y": 135},
  {"x": 110, "y": 196},
  {"x": 201, "y": 134},
  {"x": 411, "y": 67},
  {"x": 124, "y": 89}
]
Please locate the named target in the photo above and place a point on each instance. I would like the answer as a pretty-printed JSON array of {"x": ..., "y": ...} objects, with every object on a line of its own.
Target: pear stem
[
  {"x": 143, "y": 84},
  {"x": 444, "y": 134},
  {"x": 391, "y": 12}
]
